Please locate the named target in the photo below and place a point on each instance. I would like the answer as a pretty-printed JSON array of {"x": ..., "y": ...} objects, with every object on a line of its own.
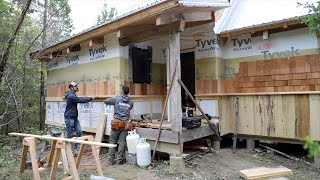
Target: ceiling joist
[
  {"x": 128, "y": 30},
  {"x": 187, "y": 17}
]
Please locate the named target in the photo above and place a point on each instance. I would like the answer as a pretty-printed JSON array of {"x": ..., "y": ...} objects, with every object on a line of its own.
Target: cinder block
[
  {"x": 250, "y": 144},
  {"x": 131, "y": 158},
  {"x": 177, "y": 163}
]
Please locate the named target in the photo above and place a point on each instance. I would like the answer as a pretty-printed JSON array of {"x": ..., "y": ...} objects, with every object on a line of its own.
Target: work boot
[
  {"x": 111, "y": 161},
  {"x": 121, "y": 161}
]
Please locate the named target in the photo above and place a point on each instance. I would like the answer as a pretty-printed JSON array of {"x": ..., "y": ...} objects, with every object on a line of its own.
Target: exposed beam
[
  {"x": 115, "y": 25},
  {"x": 126, "y": 31},
  {"x": 159, "y": 30},
  {"x": 187, "y": 17},
  {"x": 98, "y": 40}
]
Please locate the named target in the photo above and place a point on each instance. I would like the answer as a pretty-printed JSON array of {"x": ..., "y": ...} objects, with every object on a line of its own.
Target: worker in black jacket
[{"x": 71, "y": 112}]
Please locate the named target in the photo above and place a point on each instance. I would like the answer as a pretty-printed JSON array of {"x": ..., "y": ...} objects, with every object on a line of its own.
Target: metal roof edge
[
  {"x": 263, "y": 24},
  {"x": 203, "y": 4}
]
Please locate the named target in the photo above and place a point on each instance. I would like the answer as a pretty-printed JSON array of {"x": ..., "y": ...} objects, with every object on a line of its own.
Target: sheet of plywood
[
  {"x": 280, "y": 122},
  {"x": 289, "y": 103},
  {"x": 302, "y": 115},
  {"x": 246, "y": 115},
  {"x": 259, "y": 111},
  {"x": 314, "y": 117},
  {"x": 265, "y": 173},
  {"x": 264, "y": 115},
  {"x": 225, "y": 116}
]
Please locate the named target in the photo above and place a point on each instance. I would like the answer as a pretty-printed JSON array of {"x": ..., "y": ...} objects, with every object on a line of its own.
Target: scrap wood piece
[
  {"x": 63, "y": 139},
  {"x": 198, "y": 154},
  {"x": 261, "y": 173},
  {"x": 284, "y": 154},
  {"x": 100, "y": 130}
]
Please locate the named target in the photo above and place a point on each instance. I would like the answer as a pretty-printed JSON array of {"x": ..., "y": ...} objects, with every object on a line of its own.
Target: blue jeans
[{"x": 70, "y": 125}]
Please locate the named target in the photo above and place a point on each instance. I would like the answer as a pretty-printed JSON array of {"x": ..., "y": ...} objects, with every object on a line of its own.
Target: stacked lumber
[{"x": 265, "y": 173}]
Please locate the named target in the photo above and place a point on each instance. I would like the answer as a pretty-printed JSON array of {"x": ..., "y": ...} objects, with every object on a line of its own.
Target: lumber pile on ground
[{"x": 262, "y": 173}]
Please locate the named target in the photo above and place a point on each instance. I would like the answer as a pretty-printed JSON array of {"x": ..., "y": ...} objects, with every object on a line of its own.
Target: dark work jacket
[
  {"x": 71, "y": 111},
  {"x": 122, "y": 106}
]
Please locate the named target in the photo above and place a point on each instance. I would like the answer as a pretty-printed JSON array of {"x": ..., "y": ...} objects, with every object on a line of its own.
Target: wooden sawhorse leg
[
  {"x": 63, "y": 155},
  {"x": 30, "y": 143},
  {"x": 94, "y": 153},
  {"x": 64, "y": 146}
]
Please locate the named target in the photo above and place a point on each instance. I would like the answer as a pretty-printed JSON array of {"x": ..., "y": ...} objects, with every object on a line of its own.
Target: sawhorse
[
  {"x": 29, "y": 143},
  {"x": 58, "y": 146}
]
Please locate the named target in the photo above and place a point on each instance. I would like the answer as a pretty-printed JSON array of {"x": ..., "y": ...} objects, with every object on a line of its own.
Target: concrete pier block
[
  {"x": 177, "y": 163},
  {"x": 250, "y": 144},
  {"x": 216, "y": 145}
]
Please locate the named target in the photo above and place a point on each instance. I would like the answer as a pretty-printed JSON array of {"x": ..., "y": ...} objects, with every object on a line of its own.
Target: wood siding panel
[
  {"x": 314, "y": 116},
  {"x": 303, "y": 116},
  {"x": 246, "y": 115}
]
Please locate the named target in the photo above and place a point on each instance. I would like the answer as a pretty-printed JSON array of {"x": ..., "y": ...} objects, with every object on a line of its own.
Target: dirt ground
[{"x": 222, "y": 165}]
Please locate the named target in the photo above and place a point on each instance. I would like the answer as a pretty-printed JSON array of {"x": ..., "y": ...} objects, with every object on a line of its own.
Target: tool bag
[
  {"x": 117, "y": 124},
  {"x": 191, "y": 122}
]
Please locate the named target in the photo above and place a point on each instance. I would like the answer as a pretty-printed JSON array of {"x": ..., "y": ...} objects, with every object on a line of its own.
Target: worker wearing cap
[
  {"x": 122, "y": 106},
  {"x": 71, "y": 112}
]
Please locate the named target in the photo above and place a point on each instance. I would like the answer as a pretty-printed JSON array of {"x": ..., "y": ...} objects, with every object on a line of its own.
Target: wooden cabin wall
[
  {"x": 298, "y": 73},
  {"x": 281, "y": 116},
  {"x": 157, "y": 86}
]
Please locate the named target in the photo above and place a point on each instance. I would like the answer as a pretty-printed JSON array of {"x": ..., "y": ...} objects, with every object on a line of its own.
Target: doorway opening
[{"x": 188, "y": 78}]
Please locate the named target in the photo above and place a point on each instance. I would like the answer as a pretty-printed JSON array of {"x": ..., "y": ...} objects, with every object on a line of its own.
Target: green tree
[
  {"x": 312, "y": 20},
  {"x": 106, "y": 14},
  {"x": 312, "y": 147},
  {"x": 19, "y": 90}
]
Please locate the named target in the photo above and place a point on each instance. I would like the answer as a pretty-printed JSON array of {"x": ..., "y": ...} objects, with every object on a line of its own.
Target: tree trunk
[
  {"x": 42, "y": 97},
  {"x": 3, "y": 61}
]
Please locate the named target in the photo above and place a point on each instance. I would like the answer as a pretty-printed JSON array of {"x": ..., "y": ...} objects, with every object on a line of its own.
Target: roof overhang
[
  {"x": 284, "y": 24},
  {"x": 143, "y": 19}
]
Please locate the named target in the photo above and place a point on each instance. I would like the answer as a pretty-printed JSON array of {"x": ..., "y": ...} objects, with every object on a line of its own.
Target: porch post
[{"x": 175, "y": 95}]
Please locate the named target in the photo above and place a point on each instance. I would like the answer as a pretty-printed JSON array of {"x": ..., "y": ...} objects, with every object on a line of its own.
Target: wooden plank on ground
[{"x": 265, "y": 173}]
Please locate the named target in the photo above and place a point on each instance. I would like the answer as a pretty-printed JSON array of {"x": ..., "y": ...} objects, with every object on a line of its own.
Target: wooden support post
[
  {"x": 30, "y": 143},
  {"x": 175, "y": 96}
]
